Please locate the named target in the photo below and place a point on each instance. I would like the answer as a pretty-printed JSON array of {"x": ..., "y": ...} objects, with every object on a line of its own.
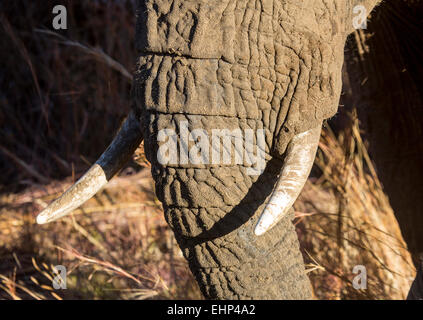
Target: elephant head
[{"x": 263, "y": 72}]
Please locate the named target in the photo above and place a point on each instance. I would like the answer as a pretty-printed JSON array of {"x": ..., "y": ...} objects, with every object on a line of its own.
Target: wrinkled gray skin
[{"x": 249, "y": 64}]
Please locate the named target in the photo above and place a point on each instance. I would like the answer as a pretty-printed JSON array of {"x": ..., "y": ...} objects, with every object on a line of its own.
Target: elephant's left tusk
[
  {"x": 298, "y": 162},
  {"x": 111, "y": 161}
]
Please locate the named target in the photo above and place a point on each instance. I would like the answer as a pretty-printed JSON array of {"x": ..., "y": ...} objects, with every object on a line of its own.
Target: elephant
[{"x": 270, "y": 68}]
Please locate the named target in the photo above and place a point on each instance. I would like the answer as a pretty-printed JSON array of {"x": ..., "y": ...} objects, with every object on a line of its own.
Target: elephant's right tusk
[
  {"x": 298, "y": 162},
  {"x": 111, "y": 161}
]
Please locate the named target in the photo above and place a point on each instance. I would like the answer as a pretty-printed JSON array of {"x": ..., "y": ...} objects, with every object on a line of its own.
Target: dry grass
[
  {"x": 350, "y": 222},
  {"x": 63, "y": 97},
  {"x": 117, "y": 246},
  {"x": 61, "y": 86}
]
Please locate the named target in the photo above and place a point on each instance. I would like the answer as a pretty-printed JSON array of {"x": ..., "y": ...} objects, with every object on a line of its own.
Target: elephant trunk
[
  {"x": 214, "y": 209},
  {"x": 213, "y": 213},
  {"x": 231, "y": 263}
]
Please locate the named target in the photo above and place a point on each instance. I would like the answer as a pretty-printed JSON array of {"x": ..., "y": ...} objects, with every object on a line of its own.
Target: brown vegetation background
[{"x": 64, "y": 94}]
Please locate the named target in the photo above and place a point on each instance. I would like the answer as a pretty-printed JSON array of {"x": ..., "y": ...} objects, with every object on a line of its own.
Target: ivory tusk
[
  {"x": 111, "y": 161},
  {"x": 297, "y": 165}
]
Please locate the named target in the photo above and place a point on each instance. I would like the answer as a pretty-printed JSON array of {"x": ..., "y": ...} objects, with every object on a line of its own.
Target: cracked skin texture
[{"x": 248, "y": 64}]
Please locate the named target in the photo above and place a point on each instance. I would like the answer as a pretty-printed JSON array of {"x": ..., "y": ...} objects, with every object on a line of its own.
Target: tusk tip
[
  {"x": 42, "y": 219},
  {"x": 269, "y": 219},
  {"x": 259, "y": 230},
  {"x": 111, "y": 161},
  {"x": 262, "y": 226},
  {"x": 45, "y": 216}
]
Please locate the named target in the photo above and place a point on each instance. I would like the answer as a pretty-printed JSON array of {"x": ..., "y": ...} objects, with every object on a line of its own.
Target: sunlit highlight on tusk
[
  {"x": 297, "y": 165},
  {"x": 111, "y": 161}
]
